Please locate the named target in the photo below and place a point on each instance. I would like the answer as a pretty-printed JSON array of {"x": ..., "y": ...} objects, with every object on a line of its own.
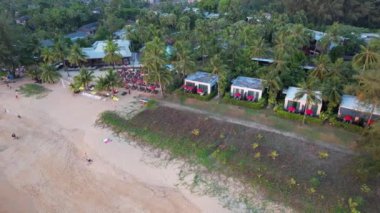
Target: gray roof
[
  {"x": 246, "y": 82},
  {"x": 76, "y": 35},
  {"x": 97, "y": 49},
  {"x": 203, "y": 77},
  {"x": 88, "y": 27},
  {"x": 292, "y": 91},
  {"x": 351, "y": 102}
]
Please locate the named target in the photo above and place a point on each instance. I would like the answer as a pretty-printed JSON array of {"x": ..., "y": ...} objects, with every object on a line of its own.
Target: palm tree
[
  {"x": 366, "y": 58},
  {"x": 34, "y": 72},
  {"x": 49, "y": 74},
  {"x": 299, "y": 35},
  {"x": 217, "y": 67},
  {"x": 76, "y": 55},
  {"x": 273, "y": 84},
  {"x": 60, "y": 51},
  {"x": 184, "y": 63},
  {"x": 47, "y": 55},
  {"x": 84, "y": 78},
  {"x": 153, "y": 60},
  {"x": 368, "y": 89},
  {"x": 307, "y": 88},
  {"x": 111, "y": 50},
  {"x": 258, "y": 48},
  {"x": 321, "y": 69},
  {"x": 108, "y": 82},
  {"x": 332, "y": 92}
]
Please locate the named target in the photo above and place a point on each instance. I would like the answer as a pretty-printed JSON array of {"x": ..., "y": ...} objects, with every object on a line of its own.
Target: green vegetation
[
  {"x": 182, "y": 93},
  {"x": 267, "y": 159},
  {"x": 248, "y": 104},
  {"x": 33, "y": 90},
  {"x": 298, "y": 117}
]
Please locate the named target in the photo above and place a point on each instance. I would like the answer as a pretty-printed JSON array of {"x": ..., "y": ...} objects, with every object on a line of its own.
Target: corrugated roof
[
  {"x": 247, "y": 82},
  {"x": 97, "y": 49},
  {"x": 203, "y": 77},
  {"x": 292, "y": 91},
  {"x": 351, "y": 102}
]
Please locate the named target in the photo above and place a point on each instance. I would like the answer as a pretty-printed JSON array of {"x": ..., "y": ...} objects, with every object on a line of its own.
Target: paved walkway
[{"x": 252, "y": 124}]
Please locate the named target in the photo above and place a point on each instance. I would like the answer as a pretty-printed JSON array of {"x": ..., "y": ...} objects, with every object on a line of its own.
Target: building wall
[
  {"x": 302, "y": 105},
  {"x": 246, "y": 91},
  {"x": 197, "y": 85}
]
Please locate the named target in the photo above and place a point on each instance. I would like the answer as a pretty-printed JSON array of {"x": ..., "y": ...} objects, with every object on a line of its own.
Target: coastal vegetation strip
[{"x": 303, "y": 175}]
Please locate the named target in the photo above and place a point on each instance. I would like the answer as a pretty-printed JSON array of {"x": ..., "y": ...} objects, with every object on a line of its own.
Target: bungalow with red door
[
  {"x": 353, "y": 110},
  {"x": 246, "y": 88},
  {"x": 299, "y": 105},
  {"x": 202, "y": 83}
]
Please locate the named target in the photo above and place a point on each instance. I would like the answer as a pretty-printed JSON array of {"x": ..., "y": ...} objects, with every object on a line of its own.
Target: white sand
[{"x": 46, "y": 171}]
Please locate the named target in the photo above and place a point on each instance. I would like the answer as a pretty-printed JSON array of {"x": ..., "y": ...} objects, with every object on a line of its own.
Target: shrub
[
  {"x": 323, "y": 155},
  {"x": 195, "y": 132},
  {"x": 292, "y": 182},
  {"x": 348, "y": 126},
  {"x": 257, "y": 155},
  {"x": 181, "y": 94},
  {"x": 365, "y": 188},
  {"x": 255, "y": 145},
  {"x": 273, "y": 154},
  {"x": 248, "y": 104},
  {"x": 314, "y": 182},
  {"x": 297, "y": 117}
]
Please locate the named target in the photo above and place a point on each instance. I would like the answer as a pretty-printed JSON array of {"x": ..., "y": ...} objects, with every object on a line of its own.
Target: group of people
[{"x": 134, "y": 79}]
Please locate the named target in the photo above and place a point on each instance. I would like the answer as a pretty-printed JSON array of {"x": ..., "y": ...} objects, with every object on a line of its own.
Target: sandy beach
[{"x": 45, "y": 170}]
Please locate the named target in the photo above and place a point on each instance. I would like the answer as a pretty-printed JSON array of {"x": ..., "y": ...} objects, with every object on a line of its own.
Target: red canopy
[
  {"x": 199, "y": 90},
  {"x": 238, "y": 95},
  {"x": 291, "y": 109},
  {"x": 309, "y": 112},
  {"x": 347, "y": 118},
  {"x": 250, "y": 97}
]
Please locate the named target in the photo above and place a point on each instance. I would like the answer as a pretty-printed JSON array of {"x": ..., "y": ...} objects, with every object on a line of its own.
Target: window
[
  {"x": 190, "y": 84},
  {"x": 203, "y": 87}
]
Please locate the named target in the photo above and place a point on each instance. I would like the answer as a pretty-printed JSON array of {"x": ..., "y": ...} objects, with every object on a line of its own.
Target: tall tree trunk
[
  {"x": 370, "y": 115},
  {"x": 161, "y": 86},
  {"x": 304, "y": 113}
]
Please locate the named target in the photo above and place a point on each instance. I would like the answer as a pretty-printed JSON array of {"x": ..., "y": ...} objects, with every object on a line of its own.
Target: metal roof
[
  {"x": 351, "y": 102},
  {"x": 247, "y": 82},
  {"x": 203, "y": 77},
  {"x": 97, "y": 49},
  {"x": 292, "y": 91}
]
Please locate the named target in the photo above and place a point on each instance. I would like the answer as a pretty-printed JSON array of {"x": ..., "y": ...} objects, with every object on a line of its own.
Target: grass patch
[
  {"x": 29, "y": 90},
  {"x": 287, "y": 168},
  {"x": 247, "y": 104}
]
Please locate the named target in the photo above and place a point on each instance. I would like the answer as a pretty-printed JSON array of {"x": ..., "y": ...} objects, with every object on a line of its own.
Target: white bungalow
[
  {"x": 204, "y": 82},
  {"x": 351, "y": 109},
  {"x": 299, "y": 105},
  {"x": 247, "y": 88}
]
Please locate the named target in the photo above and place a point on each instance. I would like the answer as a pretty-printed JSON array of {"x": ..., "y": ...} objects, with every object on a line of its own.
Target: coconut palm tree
[
  {"x": 111, "y": 50},
  {"x": 368, "y": 89},
  {"x": 76, "y": 55},
  {"x": 299, "y": 35},
  {"x": 321, "y": 69},
  {"x": 34, "y": 72},
  {"x": 366, "y": 58},
  {"x": 84, "y": 78},
  {"x": 154, "y": 61},
  {"x": 274, "y": 85},
  {"x": 47, "y": 55},
  {"x": 307, "y": 88},
  {"x": 217, "y": 67},
  {"x": 258, "y": 48},
  {"x": 49, "y": 74},
  {"x": 60, "y": 52},
  {"x": 332, "y": 92},
  {"x": 108, "y": 82},
  {"x": 184, "y": 63}
]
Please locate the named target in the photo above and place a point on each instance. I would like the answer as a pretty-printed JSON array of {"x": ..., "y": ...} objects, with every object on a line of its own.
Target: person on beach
[{"x": 14, "y": 136}]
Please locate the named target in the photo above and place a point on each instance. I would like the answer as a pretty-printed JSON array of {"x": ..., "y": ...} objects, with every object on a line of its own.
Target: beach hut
[
  {"x": 299, "y": 105},
  {"x": 246, "y": 88},
  {"x": 201, "y": 82},
  {"x": 353, "y": 110}
]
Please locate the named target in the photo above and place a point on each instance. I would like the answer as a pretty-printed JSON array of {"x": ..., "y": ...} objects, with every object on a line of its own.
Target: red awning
[{"x": 347, "y": 118}]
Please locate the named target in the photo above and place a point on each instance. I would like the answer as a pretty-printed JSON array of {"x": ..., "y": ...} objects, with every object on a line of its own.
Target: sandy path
[{"x": 45, "y": 170}]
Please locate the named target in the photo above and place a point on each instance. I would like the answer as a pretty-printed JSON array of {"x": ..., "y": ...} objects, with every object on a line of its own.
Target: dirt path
[{"x": 255, "y": 125}]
